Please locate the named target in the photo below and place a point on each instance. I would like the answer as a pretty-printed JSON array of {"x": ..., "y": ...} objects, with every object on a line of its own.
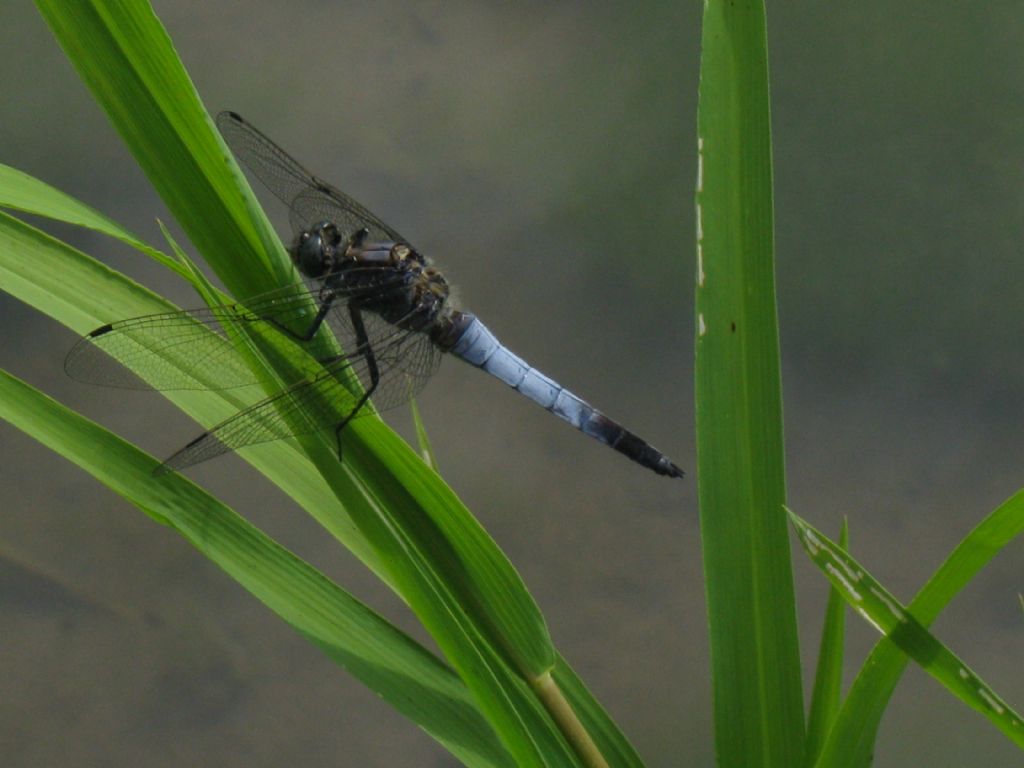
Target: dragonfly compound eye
[{"x": 309, "y": 254}]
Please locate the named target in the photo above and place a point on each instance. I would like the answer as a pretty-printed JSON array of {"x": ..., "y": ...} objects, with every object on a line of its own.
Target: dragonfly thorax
[{"x": 393, "y": 280}]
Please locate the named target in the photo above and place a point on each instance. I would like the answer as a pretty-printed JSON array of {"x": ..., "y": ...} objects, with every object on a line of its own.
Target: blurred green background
[{"x": 544, "y": 155}]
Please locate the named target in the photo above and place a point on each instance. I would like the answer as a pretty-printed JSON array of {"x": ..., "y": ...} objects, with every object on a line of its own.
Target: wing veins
[{"x": 275, "y": 417}]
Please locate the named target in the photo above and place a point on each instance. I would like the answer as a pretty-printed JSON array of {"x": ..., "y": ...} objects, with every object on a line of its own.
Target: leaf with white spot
[{"x": 881, "y": 609}]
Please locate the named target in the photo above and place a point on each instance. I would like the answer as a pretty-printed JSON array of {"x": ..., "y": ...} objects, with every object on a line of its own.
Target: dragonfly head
[{"x": 314, "y": 252}]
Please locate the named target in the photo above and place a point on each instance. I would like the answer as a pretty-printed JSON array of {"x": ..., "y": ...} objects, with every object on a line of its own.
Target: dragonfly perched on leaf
[{"x": 389, "y": 307}]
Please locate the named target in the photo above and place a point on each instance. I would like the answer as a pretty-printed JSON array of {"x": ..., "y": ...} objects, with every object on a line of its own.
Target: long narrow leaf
[
  {"x": 422, "y": 438},
  {"x": 24, "y": 193},
  {"x": 828, "y": 677},
  {"x": 851, "y": 741},
  {"x": 881, "y": 609},
  {"x": 385, "y": 659},
  {"x": 758, "y": 708},
  {"x": 124, "y": 56}
]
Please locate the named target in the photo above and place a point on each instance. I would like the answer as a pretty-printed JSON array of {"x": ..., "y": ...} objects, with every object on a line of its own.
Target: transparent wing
[
  {"x": 405, "y": 362},
  {"x": 189, "y": 349},
  {"x": 310, "y": 200}
]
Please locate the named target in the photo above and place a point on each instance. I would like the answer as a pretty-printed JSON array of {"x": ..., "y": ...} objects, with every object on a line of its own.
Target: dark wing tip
[
  {"x": 227, "y": 117},
  {"x": 100, "y": 331}
]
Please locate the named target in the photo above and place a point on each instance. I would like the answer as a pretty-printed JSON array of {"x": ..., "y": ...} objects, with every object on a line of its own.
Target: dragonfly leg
[
  {"x": 362, "y": 345},
  {"x": 357, "y": 238},
  {"x": 327, "y": 298}
]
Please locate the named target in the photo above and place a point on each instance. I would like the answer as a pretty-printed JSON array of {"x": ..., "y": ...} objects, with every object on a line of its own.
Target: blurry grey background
[{"x": 544, "y": 155}]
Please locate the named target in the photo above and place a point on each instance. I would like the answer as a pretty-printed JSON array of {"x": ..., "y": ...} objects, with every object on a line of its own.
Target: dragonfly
[{"x": 390, "y": 309}]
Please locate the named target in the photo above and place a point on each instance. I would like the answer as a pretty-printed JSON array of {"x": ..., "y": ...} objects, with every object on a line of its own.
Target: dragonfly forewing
[
  {"x": 309, "y": 199},
  {"x": 192, "y": 350},
  {"x": 172, "y": 351}
]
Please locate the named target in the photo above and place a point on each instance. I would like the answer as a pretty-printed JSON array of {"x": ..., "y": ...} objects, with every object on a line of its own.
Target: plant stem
[{"x": 570, "y": 726}]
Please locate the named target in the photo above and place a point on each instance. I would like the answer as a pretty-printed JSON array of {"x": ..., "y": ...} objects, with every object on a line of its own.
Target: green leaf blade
[
  {"x": 384, "y": 658},
  {"x": 828, "y": 677},
  {"x": 123, "y": 54},
  {"x": 851, "y": 741},
  {"x": 899, "y": 625},
  {"x": 24, "y": 193},
  {"x": 759, "y": 719}
]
